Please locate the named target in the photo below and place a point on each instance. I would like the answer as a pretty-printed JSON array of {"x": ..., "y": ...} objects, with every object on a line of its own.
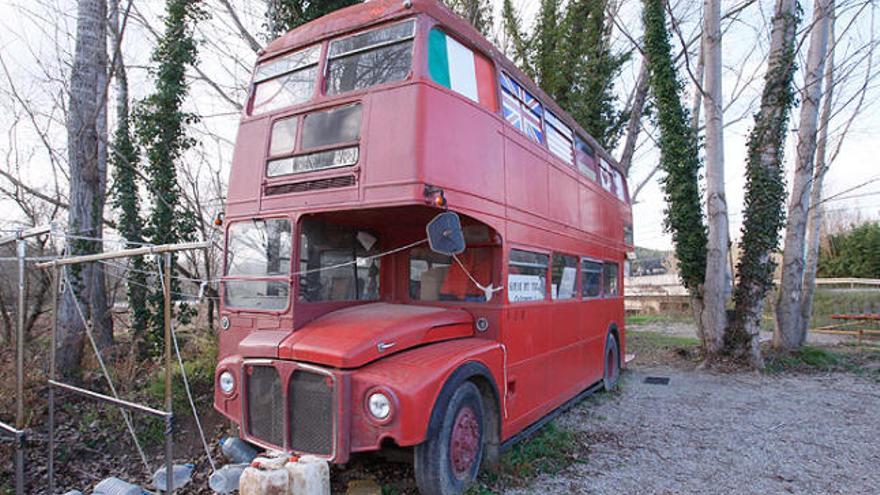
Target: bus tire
[
  {"x": 612, "y": 363},
  {"x": 448, "y": 461}
]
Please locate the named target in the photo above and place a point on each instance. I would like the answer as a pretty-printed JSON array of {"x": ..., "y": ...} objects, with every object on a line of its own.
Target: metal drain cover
[{"x": 657, "y": 380}]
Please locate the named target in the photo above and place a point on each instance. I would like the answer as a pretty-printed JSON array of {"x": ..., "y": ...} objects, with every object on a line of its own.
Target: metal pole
[
  {"x": 21, "y": 252},
  {"x": 169, "y": 425},
  {"x": 56, "y": 281}
]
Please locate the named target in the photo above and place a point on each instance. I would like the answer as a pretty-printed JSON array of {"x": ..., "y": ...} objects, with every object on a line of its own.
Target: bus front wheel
[
  {"x": 448, "y": 461},
  {"x": 612, "y": 363}
]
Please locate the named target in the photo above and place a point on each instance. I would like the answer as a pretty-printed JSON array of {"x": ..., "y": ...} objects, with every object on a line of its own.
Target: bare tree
[
  {"x": 790, "y": 331},
  {"x": 87, "y": 157},
  {"x": 714, "y": 316}
]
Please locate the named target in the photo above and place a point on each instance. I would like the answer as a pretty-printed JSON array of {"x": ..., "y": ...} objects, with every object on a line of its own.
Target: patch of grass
[
  {"x": 199, "y": 359},
  {"x": 658, "y": 318},
  {"x": 807, "y": 359},
  {"x": 549, "y": 451},
  {"x": 641, "y": 340},
  {"x": 658, "y": 348},
  {"x": 199, "y": 366}
]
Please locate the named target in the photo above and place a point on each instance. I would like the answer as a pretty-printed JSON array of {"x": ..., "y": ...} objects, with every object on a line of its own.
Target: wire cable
[
  {"x": 186, "y": 387},
  {"x": 88, "y": 327}
]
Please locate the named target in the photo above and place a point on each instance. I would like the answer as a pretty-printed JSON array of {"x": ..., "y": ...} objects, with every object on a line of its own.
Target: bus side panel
[
  {"x": 526, "y": 179},
  {"x": 568, "y": 334},
  {"x": 527, "y": 340},
  {"x": 564, "y": 206},
  {"x": 390, "y": 144},
  {"x": 591, "y": 206},
  {"x": 461, "y": 145},
  {"x": 246, "y": 174}
]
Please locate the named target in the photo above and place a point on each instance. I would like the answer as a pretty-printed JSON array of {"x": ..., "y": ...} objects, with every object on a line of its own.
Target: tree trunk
[
  {"x": 714, "y": 294},
  {"x": 814, "y": 221},
  {"x": 765, "y": 189},
  {"x": 87, "y": 154},
  {"x": 634, "y": 126},
  {"x": 698, "y": 89},
  {"x": 789, "y": 334}
]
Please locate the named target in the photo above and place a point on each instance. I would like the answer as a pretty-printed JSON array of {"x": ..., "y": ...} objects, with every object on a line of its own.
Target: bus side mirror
[{"x": 445, "y": 235}]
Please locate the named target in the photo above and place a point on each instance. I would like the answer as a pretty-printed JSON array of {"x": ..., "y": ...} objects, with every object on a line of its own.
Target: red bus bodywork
[{"x": 418, "y": 138}]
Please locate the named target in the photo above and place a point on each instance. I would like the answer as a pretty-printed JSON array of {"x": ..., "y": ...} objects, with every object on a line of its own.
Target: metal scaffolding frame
[
  {"x": 167, "y": 414},
  {"x": 18, "y": 431}
]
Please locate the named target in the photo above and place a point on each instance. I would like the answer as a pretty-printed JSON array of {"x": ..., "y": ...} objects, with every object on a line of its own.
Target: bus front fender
[{"x": 414, "y": 380}]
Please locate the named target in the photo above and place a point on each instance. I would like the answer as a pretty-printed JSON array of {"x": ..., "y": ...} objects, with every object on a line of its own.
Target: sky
[{"x": 29, "y": 31}]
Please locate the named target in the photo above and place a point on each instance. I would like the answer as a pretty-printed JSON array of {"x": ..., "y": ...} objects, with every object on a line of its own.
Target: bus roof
[{"x": 379, "y": 11}]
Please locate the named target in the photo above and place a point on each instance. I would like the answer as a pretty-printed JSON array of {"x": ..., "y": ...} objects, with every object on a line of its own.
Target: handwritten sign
[{"x": 525, "y": 288}]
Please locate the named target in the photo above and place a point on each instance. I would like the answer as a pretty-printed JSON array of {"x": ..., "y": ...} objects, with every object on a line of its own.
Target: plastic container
[
  {"x": 309, "y": 475},
  {"x": 237, "y": 450},
  {"x": 115, "y": 486},
  {"x": 181, "y": 474},
  {"x": 265, "y": 476},
  {"x": 226, "y": 479}
]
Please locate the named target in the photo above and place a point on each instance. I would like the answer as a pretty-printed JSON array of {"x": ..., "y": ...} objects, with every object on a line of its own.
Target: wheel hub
[{"x": 465, "y": 441}]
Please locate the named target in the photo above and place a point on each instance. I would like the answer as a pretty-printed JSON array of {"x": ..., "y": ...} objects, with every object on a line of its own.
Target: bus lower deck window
[
  {"x": 335, "y": 263},
  {"x": 611, "y": 285},
  {"x": 527, "y": 277},
  {"x": 564, "y": 277},
  {"x": 435, "y": 277},
  {"x": 591, "y": 278}
]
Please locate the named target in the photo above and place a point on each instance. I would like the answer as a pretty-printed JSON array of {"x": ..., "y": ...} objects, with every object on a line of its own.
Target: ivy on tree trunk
[
  {"x": 765, "y": 188},
  {"x": 161, "y": 129},
  {"x": 679, "y": 156},
  {"x": 125, "y": 197}
]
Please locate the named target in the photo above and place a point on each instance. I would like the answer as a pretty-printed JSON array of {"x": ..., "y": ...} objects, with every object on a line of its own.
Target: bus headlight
[
  {"x": 379, "y": 405},
  {"x": 227, "y": 382}
]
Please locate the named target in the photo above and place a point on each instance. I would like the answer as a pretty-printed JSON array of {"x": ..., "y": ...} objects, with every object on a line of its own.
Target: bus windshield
[{"x": 258, "y": 264}]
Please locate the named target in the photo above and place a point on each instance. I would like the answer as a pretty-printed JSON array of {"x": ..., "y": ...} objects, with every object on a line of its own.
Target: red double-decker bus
[{"x": 344, "y": 328}]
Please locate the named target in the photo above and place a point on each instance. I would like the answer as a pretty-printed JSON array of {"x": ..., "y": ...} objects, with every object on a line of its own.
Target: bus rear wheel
[
  {"x": 448, "y": 461},
  {"x": 612, "y": 363}
]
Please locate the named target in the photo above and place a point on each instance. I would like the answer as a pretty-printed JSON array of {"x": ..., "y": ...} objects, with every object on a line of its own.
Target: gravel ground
[{"x": 727, "y": 434}]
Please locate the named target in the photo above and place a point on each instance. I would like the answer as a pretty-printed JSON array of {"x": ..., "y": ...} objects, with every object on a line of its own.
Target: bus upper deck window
[
  {"x": 585, "y": 158},
  {"x": 286, "y": 80},
  {"x": 559, "y": 137},
  {"x": 367, "y": 59}
]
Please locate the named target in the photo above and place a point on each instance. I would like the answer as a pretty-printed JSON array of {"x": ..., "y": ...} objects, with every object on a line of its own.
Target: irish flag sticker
[{"x": 457, "y": 67}]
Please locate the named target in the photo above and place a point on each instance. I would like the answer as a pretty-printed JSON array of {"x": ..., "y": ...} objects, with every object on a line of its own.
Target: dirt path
[{"x": 739, "y": 433}]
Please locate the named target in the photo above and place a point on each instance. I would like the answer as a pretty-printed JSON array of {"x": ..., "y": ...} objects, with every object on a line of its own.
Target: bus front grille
[
  {"x": 265, "y": 405},
  {"x": 311, "y": 413}
]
